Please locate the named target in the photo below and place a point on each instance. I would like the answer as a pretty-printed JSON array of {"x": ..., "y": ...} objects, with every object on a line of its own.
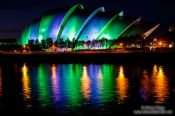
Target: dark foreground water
[{"x": 55, "y": 89}]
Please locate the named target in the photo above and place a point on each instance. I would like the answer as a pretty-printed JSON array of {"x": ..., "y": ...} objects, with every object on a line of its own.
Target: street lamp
[
  {"x": 160, "y": 43},
  {"x": 170, "y": 46}
]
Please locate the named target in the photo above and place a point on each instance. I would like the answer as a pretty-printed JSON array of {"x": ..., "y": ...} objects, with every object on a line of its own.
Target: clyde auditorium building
[{"x": 80, "y": 24}]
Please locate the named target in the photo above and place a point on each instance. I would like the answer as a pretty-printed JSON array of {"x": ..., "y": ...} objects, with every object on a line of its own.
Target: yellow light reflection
[
  {"x": 155, "y": 70},
  {"x": 121, "y": 86},
  {"x": 0, "y": 83},
  {"x": 26, "y": 83},
  {"x": 160, "y": 83},
  {"x": 54, "y": 83},
  {"x": 85, "y": 83}
]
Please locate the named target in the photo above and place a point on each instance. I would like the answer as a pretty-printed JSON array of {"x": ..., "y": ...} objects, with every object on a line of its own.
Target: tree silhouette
[
  {"x": 44, "y": 44},
  {"x": 49, "y": 42}
]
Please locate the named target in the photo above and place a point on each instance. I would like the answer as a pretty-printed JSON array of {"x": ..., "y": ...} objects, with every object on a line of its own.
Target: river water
[{"x": 56, "y": 89}]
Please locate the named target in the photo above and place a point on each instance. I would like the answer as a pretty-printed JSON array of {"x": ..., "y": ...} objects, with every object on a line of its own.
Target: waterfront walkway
[{"x": 118, "y": 51}]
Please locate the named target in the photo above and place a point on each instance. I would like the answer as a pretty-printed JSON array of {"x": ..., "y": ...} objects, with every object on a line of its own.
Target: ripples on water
[{"x": 80, "y": 88}]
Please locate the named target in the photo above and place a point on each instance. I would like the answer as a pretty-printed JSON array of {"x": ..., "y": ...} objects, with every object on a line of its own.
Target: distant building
[{"x": 8, "y": 41}]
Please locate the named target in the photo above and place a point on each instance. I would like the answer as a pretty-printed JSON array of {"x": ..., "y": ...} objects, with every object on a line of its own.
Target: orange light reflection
[
  {"x": 121, "y": 86},
  {"x": 161, "y": 88},
  {"x": 26, "y": 85},
  {"x": 85, "y": 83}
]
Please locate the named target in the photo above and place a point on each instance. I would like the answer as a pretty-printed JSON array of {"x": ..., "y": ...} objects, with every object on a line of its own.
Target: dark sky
[{"x": 16, "y": 14}]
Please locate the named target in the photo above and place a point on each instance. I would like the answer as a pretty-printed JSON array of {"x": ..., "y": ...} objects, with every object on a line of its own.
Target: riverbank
[{"x": 89, "y": 57}]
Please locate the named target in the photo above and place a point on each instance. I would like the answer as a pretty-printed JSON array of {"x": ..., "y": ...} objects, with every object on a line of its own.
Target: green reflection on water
[
  {"x": 43, "y": 85},
  {"x": 108, "y": 89},
  {"x": 72, "y": 85}
]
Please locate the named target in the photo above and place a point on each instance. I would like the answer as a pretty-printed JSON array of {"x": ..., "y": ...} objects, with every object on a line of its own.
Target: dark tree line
[
  {"x": 60, "y": 43},
  {"x": 103, "y": 43}
]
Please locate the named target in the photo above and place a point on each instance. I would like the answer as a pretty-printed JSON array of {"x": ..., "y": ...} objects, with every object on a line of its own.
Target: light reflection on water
[
  {"x": 43, "y": 82},
  {"x": 122, "y": 86},
  {"x": 160, "y": 85},
  {"x": 146, "y": 86},
  {"x": 26, "y": 84},
  {"x": 68, "y": 87},
  {"x": 86, "y": 81},
  {"x": 155, "y": 85},
  {"x": 85, "y": 84},
  {"x": 54, "y": 81}
]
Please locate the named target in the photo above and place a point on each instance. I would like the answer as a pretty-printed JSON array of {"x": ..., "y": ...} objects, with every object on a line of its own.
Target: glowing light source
[
  {"x": 24, "y": 46},
  {"x": 121, "y": 44},
  {"x": 160, "y": 43},
  {"x": 150, "y": 31},
  {"x": 170, "y": 45},
  {"x": 40, "y": 38}
]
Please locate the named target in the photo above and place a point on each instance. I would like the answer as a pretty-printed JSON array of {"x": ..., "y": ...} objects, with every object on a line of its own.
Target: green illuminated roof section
[
  {"x": 125, "y": 24},
  {"x": 34, "y": 31},
  {"x": 45, "y": 26},
  {"x": 104, "y": 32},
  {"x": 120, "y": 25},
  {"x": 95, "y": 26},
  {"x": 95, "y": 29},
  {"x": 132, "y": 31},
  {"x": 55, "y": 25},
  {"x": 138, "y": 28},
  {"x": 73, "y": 25},
  {"x": 89, "y": 19},
  {"x": 66, "y": 18},
  {"x": 25, "y": 36}
]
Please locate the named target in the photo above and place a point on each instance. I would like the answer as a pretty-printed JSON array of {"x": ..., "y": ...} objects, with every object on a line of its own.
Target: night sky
[{"x": 16, "y": 14}]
